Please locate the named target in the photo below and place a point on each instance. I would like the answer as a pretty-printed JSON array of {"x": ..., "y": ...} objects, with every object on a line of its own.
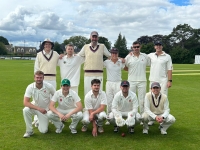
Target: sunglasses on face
[
  {"x": 136, "y": 46},
  {"x": 158, "y": 45}
]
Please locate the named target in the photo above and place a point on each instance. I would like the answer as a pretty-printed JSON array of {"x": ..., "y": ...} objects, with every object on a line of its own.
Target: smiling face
[
  {"x": 38, "y": 79},
  {"x": 95, "y": 87},
  {"x": 70, "y": 50},
  {"x": 94, "y": 40},
  {"x": 155, "y": 90},
  {"x": 47, "y": 46},
  {"x": 158, "y": 48},
  {"x": 136, "y": 48},
  {"x": 65, "y": 89},
  {"x": 125, "y": 89}
]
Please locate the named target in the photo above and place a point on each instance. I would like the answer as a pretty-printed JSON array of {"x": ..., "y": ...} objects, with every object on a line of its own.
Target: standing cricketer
[
  {"x": 69, "y": 106},
  {"x": 136, "y": 64},
  {"x": 41, "y": 93},
  {"x": 95, "y": 103},
  {"x": 161, "y": 68},
  {"x": 113, "y": 71},
  {"x": 157, "y": 109},
  {"x": 70, "y": 66},
  {"x": 93, "y": 66}
]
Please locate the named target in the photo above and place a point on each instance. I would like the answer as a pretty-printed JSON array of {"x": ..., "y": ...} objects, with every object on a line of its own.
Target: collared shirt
[
  {"x": 66, "y": 102},
  {"x": 92, "y": 102},
  {"x": 160, "y": 66},
  {"x": 113, "y": 70},
  {"x": 70, "y": 68},
  {"x": 165, "y": 107},
  {"x": 41, "y": 97},
  {"x": 125, "y": 104},
  {"x": 137, "y": 67}
]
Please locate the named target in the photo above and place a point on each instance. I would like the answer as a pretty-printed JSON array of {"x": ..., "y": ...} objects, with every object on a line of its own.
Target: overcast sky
[{"x": 34, "y": 20}]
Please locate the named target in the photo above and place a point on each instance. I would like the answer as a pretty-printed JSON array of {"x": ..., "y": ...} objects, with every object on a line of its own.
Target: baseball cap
[
  {"x": 124, "y": 83},
  {"x": 157, "y": 43},
  {"x": 65, "y": 82},
  {"x": 114, "y": 50},
  {"x": 155, "y": 84},
  {"x": 94, "y": 33}
]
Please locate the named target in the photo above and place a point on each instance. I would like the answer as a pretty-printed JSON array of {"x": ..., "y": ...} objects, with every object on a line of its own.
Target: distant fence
[{"x": 19, "y": 58}]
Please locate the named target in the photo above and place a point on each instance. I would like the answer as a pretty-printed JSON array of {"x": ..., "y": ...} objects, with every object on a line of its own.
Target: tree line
[{"x": 183, "y": 43}]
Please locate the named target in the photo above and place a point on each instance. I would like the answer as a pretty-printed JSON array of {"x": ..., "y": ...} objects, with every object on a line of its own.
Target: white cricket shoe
[
  {"x": 28, "y": 134},
  {"x": 107, "y": 123},
  {"x": 163, "y": 131},
  {"x": 73, "y": 130},
  {"x": 100, "y": 129},
  {"x": 145, "y": 131},
  {"x": 60, "y": 129}
]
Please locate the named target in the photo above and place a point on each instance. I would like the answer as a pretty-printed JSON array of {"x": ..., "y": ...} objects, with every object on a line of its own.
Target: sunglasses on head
[{"x": 136, "y": 46}]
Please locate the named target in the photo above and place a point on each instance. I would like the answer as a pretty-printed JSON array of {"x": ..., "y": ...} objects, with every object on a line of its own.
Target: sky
[{"x": 27, "y": 22}]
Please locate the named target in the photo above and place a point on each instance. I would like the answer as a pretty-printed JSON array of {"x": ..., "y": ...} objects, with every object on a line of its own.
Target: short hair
[
  {"x": 95, "y": 81},
  {"x": 39, "y": 73},
  {"x": 136, "y": 42},
  {"x": 69, "y": 45}
]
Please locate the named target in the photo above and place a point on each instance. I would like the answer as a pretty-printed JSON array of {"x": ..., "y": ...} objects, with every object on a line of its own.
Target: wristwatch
[{"x": 170, "y": 80}]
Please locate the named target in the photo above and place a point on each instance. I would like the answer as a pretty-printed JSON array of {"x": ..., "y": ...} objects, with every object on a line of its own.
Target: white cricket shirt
[
  {"x": 68, "y": 102},
  {"x": 70, "y": 68},
  {"x": 113, "y": 70},
  {"x": 137, "y": 67},
  {"x": 159, "y": 66}
]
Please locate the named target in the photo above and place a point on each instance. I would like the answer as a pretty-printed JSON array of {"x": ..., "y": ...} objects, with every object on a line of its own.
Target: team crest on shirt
[
  {"x": 130, "y": 100},
  {"x": 64, "y": 62},
  {"x": 44, "y": 91},
  {"x": 61, "y": 99}
]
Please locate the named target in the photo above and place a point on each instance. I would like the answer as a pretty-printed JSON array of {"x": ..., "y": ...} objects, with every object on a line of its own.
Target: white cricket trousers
[
  {"x": 56, "y": 120},
  {"x": 124, "y": 116},
  {"x": 42, "y": 118},
  {"x": 140, "y": 88},
  {"x": 99, "y": 118},
  {"x": 87, "y": 83},
  {"x": 111, "y": 89},
  {"x": 165, "y": 124}
]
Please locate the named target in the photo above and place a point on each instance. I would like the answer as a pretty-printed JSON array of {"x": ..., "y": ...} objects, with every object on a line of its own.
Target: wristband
[{"x": 170, "y": 80}]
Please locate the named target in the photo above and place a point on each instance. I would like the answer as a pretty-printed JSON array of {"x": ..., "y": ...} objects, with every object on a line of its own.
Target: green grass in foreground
[{"x": 184, "y": 103}]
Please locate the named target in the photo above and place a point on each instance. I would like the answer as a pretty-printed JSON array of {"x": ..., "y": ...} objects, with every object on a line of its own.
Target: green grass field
[{"x": 184, "y": 103}]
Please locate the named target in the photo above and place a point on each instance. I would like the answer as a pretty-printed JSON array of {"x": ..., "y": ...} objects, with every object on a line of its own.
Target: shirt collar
[
  {"x": 154, "y": 95},
  {"x": 61, "y": 94},
  {"x": 47, "y": 53},
  {"x": 163, "y": 53},
  {"x": 121, "y": 94},
  {"x": 91, "y": 93}
]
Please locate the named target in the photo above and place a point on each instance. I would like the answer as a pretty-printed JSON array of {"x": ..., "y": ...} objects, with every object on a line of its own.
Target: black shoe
[
  {"x": 131, "y": 130},
  {"x": 116, "y": 129}
]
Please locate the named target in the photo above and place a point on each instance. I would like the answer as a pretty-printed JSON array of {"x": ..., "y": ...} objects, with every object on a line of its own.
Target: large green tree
[
  {"x": 3, "y": 50},
  {"x": 77, "y": 41},
  {"x": 105, "y": 41},
  {"x": 121, "y": 45},
  {"x": 58, "y": 48},
  {"x": 4, "y": 40}
]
